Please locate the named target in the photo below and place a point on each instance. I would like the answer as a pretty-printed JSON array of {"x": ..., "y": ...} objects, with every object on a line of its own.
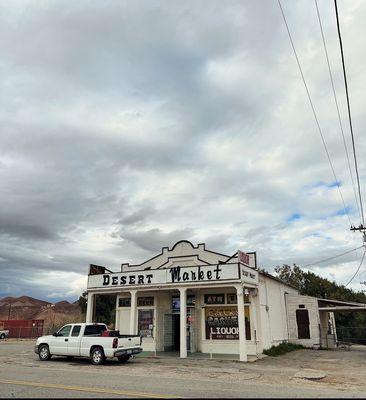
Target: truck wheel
[
  {"x": 44, "y": 353},
  {"x": 2, "y": 336},
  {"x": 123, "y": 359},
  {"x": 97, "y": 356}
]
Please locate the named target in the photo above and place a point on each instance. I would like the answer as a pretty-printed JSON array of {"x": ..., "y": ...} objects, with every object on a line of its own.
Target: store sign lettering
[
  {"x": 174, "y": 275},
  {"x": 177, "y": 275},
  {"x": 123, "y": 280},
  {"x": 232, "y": 330}
]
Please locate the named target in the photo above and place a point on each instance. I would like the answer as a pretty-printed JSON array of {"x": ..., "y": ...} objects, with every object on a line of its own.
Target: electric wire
[
  {"x": 337, "y": 107},
  {"x": 363, "y": 256},
  {"x": 349, "y": 110},
  {"x": 332, "y": 258},
  {"x": 314, "y": 112}
]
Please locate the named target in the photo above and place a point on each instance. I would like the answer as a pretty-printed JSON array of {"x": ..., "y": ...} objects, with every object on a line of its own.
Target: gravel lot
[{"x": 23, "y": 375}]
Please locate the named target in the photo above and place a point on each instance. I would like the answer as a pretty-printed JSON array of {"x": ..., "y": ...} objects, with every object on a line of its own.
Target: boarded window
[{"x": 302, "y": 319}]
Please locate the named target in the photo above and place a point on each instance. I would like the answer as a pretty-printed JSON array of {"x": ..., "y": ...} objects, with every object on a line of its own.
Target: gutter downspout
[{"x": 288, "y": 332}]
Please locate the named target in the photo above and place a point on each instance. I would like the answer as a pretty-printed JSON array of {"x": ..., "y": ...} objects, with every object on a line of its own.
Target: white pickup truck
[
  {"x": 88, "y": 340},
  {"x": 4, "y": 334}
]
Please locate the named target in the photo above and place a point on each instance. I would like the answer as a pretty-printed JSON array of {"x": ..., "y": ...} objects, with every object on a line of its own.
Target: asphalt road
[{"x": 22, "y": 374}]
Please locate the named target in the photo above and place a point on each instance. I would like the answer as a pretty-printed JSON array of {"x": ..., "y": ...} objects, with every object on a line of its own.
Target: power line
[
  {"x": 349, "y": 110},
  {"x": 313, "y": 109},
  {"x": 331, "y": 258},
  {"x": 363, "y": 256},
  {"x": 337, "y": 107}
]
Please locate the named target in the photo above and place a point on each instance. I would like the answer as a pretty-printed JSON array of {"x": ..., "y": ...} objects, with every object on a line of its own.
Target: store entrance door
[{"x": 171, "y": 332}]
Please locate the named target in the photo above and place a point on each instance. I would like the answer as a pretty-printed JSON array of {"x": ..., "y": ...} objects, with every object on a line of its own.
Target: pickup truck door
[
  {"x": 58, "y": 344},
  {"x": 73, "y": 347}
]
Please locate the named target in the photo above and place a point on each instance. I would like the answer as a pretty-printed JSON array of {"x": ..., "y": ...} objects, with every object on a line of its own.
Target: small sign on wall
[
  {"x": 214, "y": 298},
  {"x": 231, "y": 298}
]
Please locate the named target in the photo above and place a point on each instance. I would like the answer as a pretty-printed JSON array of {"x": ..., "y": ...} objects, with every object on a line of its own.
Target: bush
[{"x": 282, "y": 348}]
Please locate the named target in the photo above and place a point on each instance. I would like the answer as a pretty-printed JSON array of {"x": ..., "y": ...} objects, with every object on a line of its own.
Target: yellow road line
[{"x": 85, "y": 389}]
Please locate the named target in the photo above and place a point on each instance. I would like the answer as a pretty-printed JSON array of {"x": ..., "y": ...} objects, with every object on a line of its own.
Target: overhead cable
[
  {"x": 314, "y": 112},
  {"x": 331, "y": 258},
  {"x": 349, "y": 111},
  {"x": 363, "y": 256},
  {"x": 337, "y": 107}
]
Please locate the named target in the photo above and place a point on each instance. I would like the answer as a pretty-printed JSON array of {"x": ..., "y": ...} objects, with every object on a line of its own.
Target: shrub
[{"x": 282, "y": 348}]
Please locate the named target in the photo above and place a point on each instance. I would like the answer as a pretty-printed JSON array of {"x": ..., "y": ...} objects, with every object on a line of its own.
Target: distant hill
[{"x": 26, "y": 307}]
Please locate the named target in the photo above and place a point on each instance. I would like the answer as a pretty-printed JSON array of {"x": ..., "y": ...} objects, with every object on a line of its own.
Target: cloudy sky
[{"x": 129, "y": 125}]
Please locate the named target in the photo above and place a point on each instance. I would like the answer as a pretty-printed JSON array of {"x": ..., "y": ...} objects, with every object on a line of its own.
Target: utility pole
[
  {"x": 9, "y": 312},
  {"x": 361, "y": 229}
]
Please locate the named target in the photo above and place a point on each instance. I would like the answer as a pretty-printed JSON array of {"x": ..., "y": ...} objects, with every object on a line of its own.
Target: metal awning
[{"x": 337, "y": 305}]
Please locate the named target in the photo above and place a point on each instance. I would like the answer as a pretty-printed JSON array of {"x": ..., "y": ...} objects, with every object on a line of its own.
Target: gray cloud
[{"x": 127, "y": 126}]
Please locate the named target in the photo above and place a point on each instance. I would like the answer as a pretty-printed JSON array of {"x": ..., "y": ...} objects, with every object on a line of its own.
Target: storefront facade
[{"x": 190, "y": 299}]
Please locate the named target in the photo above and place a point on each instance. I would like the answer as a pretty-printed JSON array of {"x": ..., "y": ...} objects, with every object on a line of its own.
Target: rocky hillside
[{"x": 54, "y": 315}]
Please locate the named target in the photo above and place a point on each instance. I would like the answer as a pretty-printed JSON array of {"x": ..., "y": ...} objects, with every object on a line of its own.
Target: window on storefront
[
  {"x": 146, "y": 322},
  {"x": 124, "y": 302},
  {"x": 145, "y": 301},
  {"x": 191, "y": 301},
  {"x": 247, "y": 322}
]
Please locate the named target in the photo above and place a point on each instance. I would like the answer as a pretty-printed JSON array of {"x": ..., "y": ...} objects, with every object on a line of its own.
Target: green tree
[
  {"x": 105, "y": 307},
  {"x": 82, "y": 302}
]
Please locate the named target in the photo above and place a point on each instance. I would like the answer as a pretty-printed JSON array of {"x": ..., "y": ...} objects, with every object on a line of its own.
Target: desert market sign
[{"x": 175, "y": 275}]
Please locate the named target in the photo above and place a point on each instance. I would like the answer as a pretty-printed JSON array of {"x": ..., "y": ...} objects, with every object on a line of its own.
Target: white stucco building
[{"x": 191, "y": 299}]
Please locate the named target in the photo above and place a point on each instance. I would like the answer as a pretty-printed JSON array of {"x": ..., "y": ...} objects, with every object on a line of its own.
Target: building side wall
[
  {"x": 273, "y": 311},
  {"x": 311, "y": 304}
]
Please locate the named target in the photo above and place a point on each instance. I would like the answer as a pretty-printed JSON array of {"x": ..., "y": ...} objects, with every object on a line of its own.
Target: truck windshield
[{"x": 94, "y": 330}]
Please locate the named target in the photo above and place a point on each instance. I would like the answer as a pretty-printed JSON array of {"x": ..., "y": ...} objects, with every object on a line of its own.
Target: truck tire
[
  {"x": 97, "y": 356},
  {"x": 44, "y": 352},
  {"x": 123, "y": 359},
  {"x": 2, "y": 336}
]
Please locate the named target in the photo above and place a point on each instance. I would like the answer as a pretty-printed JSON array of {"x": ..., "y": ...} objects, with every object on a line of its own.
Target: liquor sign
[{"x": 222, "y": 323}]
